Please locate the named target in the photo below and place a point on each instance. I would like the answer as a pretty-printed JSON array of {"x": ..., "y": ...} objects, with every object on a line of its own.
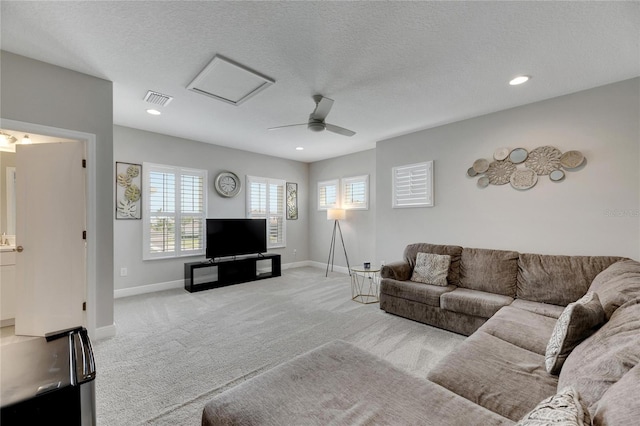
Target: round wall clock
[{"x": 227, "y": 184}]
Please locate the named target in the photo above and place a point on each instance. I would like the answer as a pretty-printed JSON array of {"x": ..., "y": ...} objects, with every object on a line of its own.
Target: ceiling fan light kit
[{"x": 316, "y": 121}]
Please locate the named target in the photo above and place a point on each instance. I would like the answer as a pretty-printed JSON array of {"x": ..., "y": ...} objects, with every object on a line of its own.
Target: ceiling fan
[{"x": 316, "y": 118}]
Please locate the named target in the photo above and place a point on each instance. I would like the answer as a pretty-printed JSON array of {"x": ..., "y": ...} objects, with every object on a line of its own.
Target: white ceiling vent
[
  {"x": 229, "y": 82},
  {"x": 157, "y": 98}
]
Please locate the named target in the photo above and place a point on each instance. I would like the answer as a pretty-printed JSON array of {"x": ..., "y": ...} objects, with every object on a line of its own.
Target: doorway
[{"x": 89, "y": 141}]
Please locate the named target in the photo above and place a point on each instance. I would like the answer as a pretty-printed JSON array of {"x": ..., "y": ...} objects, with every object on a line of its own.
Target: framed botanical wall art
[
  {"x": 128, "y": 191},
  {"x": 292, "y": 201}
]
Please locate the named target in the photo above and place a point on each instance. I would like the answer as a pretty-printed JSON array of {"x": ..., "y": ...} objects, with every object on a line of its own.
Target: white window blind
[
  {"x": 175, "y": 211},
  {"x": 266, "y": 200},
  {"x": 355, "y": 192},
  {"x": 413, "y": 185},
  {"x": 328, "y": 194}
]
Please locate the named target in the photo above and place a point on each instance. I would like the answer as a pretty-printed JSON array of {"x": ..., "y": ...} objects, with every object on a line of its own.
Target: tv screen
[{"x": 231, "y": 237}]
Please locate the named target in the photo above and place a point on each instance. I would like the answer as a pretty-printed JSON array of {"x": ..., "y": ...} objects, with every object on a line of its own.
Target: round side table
[{"x": 365, "y": 285}]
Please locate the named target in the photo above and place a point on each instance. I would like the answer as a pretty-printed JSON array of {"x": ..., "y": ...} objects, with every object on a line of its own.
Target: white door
[{"x": 51, "y": 217}]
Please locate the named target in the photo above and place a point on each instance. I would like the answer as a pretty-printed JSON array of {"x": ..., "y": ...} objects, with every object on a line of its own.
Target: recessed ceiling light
[
  {"x": 154, "y": 112},
  {"x": 299, "y": 148},
  {"x": 519, "y": 80}
]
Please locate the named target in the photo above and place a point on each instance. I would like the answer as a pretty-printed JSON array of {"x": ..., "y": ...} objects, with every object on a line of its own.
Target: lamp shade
[{"x": 335, "y": 214}]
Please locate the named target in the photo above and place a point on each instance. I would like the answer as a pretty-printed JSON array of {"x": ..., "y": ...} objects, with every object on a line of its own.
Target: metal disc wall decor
[
  {"x": 523, "y": 179},
  {"x": 500, "y": 154},
  {"x": 481, "y": 165},
  {"x": 518, "y": 155},
  {"x": 571, "y": 159},
  {"x": 483, "y": 182},
  {"x": 543, "y": 160},
  {"x": 521, "y": 168},
  {"x": 500, "y": 172}
]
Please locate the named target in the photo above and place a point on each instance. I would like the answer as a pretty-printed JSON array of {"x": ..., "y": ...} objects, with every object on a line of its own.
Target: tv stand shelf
[{"x": 225, "y": 272}]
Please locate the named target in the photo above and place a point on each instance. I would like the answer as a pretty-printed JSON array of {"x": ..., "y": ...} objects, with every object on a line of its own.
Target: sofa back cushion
[
  {"x": 619, "y": 404},
  {"x": 602, "y": 359},
  {"x": 558, "y": 280},
  {"x": 617, "y": 285},
  {"x": 493, "y": 271},
  {"x": 412, "y": 250}
]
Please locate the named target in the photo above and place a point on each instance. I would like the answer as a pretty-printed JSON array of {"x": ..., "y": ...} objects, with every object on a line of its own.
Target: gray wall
[
  {"x": 594, "y": 211},
  {"x": 359, "y": 227},
  {"x": 138, "y": 146},
  {"x": 40, "y": 93}
]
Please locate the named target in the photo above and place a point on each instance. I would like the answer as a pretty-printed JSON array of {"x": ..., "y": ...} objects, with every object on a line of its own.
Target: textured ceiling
[{"x": 392, "y": 68}]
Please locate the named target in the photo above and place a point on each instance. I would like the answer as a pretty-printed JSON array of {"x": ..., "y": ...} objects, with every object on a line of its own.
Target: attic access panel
[{"x": 228, "y": 81}]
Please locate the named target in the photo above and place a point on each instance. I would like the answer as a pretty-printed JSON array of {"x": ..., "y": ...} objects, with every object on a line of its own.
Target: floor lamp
[{"x": 336, "y": 215}]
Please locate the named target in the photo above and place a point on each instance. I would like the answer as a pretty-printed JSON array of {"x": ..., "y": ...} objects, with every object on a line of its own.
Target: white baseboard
[
  {"x": 105, "y": 332},
  {"x": 170, "y": 285},
  {"x": 150, "y": 288},
  {"x": 340, "y": 269},
  {"x": 301, "y": 264}
]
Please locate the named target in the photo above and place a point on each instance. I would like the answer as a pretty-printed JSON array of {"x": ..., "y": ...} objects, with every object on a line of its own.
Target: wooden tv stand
[{"x": 225, "y": 272}]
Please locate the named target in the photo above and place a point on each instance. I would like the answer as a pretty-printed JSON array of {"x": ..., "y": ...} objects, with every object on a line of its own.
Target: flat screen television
[{"x": 232, "y": 237}]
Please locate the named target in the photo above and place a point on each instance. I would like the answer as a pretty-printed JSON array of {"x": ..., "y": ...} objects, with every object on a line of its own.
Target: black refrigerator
[{"x": 48, "y": 380}]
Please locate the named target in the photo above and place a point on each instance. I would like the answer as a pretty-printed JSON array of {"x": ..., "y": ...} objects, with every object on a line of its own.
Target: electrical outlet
[{"x": 123, "y": 272}]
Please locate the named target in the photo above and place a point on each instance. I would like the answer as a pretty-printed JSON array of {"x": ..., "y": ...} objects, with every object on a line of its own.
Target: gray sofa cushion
[
  {"x": 412, "y": 250},
  {"x": 495, "y": 374},
  {"x": 473, "y": 302},
  {"x": 617, "y": 284},
  {"x": 545, "y": 309},
  {"x": 522, "y": 328},
  {"x": 339, "y": 384},
  {"x": 602, "y": 359},
  {"x": 428, "y": 294},
  {"x": 558, "y": 280},
  {"x": 619, "y": 404},
  {"x": 493, "y": 271}
]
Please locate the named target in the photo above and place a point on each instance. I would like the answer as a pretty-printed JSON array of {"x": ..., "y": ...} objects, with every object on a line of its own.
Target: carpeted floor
[{"x": 175, "y": 350}]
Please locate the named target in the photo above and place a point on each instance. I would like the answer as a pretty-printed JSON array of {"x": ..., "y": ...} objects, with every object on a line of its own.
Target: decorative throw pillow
[
  {"x": 564, "y": 408},
  {"x": 577, "y": 322},
  {"x": 431, "y": 269}
]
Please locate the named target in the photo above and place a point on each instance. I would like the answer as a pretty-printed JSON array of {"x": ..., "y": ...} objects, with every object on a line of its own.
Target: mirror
[{"x": 7, "y": 193}]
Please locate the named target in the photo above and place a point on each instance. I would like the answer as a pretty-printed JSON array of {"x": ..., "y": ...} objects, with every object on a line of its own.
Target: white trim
[
  {"x": 105, "y": 332},
  {"x": 149, "y": 288},
  {"x": 324, "y": 184},
  {"x": 10, "y": 184},
  {"x": 418, "y": 188},
  {"x": 340, "y": 269},
  {"x": 350, "y": 181},
  {"x": 90, "y": 145}
]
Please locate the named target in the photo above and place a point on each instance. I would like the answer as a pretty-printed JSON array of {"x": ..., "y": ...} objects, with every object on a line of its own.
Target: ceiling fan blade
[
  {"x": 323, "y": 106},
  {"x": 284, "y": 127},
  {"x": 339, "y": 130}
]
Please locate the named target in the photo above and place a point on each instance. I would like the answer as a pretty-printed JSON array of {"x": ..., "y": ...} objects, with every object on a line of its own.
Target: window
[
  {"x": 265, "y": 199},
  {"x": 355, "y": 192},
  {"x": 175, "y": 207},
  {"x": 328, "y": 194},
  {"x": 413, "y": 185}
]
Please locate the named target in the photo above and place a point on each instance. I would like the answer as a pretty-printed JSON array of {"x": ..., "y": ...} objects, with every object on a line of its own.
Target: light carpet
[{"x": 175, "y": 350}]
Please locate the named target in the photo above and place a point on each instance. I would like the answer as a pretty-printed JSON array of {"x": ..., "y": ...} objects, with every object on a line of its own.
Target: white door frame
[{"x": 90, "y": 142}]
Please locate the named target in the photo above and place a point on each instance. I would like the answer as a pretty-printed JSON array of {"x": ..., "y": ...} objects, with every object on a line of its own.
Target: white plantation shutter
[
  {"x": 266, "y": 200},
  {"x": 175, "y": 211},
  {"x": 413, "y": 185},
  {"x": 355, "y": 192},
  {"x": 328, "y": 194}
]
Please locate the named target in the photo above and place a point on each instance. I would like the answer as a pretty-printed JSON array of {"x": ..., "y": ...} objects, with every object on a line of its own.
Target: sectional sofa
[{"x": 513, "y": 307}]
